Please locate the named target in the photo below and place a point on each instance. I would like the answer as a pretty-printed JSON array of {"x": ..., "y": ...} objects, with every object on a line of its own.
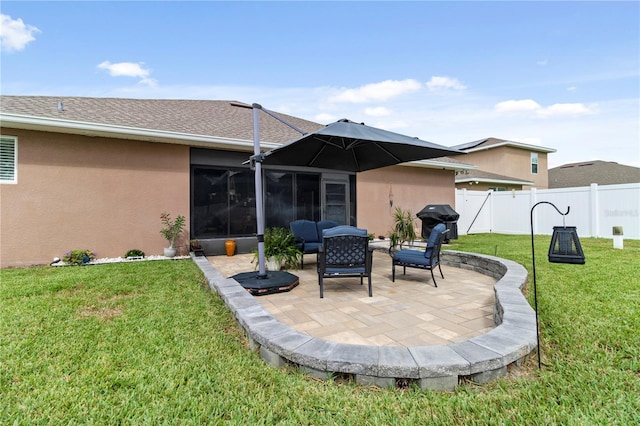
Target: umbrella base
[{"x": 273, "y": 282}]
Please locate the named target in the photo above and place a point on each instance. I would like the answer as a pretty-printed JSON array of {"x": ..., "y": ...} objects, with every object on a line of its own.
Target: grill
[{"x": 433, "y": 214}]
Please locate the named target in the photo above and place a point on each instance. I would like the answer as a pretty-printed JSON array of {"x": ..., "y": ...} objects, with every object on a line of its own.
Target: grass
[{"x": 147, "y": 343}]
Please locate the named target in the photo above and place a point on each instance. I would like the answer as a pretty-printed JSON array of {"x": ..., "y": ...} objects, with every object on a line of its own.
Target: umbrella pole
[{"x": 257, "y": 163}]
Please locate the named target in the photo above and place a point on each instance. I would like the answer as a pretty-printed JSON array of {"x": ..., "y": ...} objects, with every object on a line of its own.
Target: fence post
[
  {"x": 491, "y": 222},
  {"x": 461, "y": 197},
  {"x": 533, "y": 199},
  {"x": 594, "y": 210}
]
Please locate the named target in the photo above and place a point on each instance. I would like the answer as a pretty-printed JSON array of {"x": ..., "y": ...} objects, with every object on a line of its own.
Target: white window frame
[
  {"x": 534, "y": 163},
  {"x": 8, "y": 140}
]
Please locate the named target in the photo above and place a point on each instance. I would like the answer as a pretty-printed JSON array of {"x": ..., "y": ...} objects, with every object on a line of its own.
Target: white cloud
[
  {"x": 129, "y": 69},
  {"x": 568, "y": 109},
  {"x": 444, "y": 83},
  {"x": 542, "y": 62},
  {"x": 325, "y": 118},
  {"x": 378, "y": 111},
  {"x": 382, "y": 91},
  {"x": 556, "y": 110},
  {"x": 15, "y": 34},
  {"x": 523, "y": 105}
]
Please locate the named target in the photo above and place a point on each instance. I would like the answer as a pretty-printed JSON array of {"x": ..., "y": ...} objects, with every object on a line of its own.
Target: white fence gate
[{"x": 594, "y": 210}]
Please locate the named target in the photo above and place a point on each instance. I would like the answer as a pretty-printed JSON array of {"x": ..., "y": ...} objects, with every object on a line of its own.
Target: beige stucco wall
[
  {"x": 411, "y": 188},
  {"x": 512, "y": 162},
  {"x": 76, "y": 192}
]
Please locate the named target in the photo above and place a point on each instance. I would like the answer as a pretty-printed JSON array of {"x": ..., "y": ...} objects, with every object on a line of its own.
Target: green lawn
[{"x": 147, "y": 343}]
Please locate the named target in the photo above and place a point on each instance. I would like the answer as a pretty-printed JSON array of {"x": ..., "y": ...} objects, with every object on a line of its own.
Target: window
[
  {"x": 534, "y": 163},
  {"x": 223, "y": 200},
  {"x": 8, "y": 159},
  {"x": 497, "y": 188},
  {"x": 223, "y": 203}
]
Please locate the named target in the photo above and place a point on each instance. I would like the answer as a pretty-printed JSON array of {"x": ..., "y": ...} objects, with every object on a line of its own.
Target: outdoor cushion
[
  {"x": 325, "y": 224},
  {"x": 343, "y": 230},
  {"x": 345, "y": 252},
  {"x": 429, "y": 259},
  {"x": 308, "y": 235},
  {"x": 412, "y": 256},
  {"x": 305, "y": 230},
  {"x": 433, "y": 238}
]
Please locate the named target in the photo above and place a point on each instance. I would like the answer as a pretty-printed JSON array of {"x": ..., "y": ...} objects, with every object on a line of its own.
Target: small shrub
[
  {"x": 78, "y": 257},
  {"x": 134, "y": 253}
]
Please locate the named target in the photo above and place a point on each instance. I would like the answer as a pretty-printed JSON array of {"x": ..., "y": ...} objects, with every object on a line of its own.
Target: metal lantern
[{"x": 565, "y": 246}]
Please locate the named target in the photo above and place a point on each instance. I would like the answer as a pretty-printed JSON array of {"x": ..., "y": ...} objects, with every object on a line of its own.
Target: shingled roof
[
  {"x": 588, "y": 172},
  {"x": 489, "y": 143},
  {"x": 223, "y": 119},
  {"x": 204, "y": 123}
]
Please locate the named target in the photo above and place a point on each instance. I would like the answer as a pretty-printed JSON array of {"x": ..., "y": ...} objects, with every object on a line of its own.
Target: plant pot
[
  {"x": 169, "y": 252},
  {"x": 273, "y": 264},
  {"x": 230, "y": 247}
]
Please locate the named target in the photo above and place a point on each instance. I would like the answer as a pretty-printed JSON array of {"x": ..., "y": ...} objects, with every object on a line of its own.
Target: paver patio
[{"x": 410, "y": 312}]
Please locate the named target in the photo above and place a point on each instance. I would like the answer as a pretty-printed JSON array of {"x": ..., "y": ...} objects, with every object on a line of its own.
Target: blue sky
[{"x": 564, "y": 75}]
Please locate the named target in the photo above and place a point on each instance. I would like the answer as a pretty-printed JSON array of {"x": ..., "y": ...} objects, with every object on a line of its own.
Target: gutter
[
  {"x": 488, "y": 180},
  {"x": 27, "y": 122},
  {"x": 535, "y": 148}
]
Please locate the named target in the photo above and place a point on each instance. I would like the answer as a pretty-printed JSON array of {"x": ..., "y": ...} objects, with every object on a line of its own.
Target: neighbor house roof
[
  {"x": 490, "y": 143},
  {"x": 480, "y": 176},
  {"x": 205, "y": 123},
  {"x": 588, "y": 172}
]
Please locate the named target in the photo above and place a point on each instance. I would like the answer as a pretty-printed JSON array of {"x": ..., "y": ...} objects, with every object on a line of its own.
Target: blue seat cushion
[
  {"x": 411, "y": 257},
  {"x": 331, "y": 271},
  {"x": 312, "y": 247}
]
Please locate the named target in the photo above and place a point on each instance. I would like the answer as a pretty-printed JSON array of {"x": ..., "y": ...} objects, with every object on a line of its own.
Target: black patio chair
[
  {"x": 427, "y": 259},
  {"x": 345, "y": 252}
]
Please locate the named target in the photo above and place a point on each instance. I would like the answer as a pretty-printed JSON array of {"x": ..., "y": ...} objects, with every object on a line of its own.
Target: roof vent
[{"x": 60, "y": 106}]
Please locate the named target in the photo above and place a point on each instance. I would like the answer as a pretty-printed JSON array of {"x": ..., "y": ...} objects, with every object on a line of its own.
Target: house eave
[
  {"x": 520, "y": 145},
  {"x": 441, "y": 165},
  {"x": 491, "y": 181},
  {"x": 91, "y": 129}
]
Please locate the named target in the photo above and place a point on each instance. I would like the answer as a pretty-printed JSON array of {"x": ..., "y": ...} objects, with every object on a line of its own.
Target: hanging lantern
[{"x": 565, "y": 246}]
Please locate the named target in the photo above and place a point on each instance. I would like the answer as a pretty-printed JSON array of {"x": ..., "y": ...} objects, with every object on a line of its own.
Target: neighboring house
[
  {"x": 588, "y": 172},
  {"x": 503, "y": 165},
  {"x": 96, "y": 173}
]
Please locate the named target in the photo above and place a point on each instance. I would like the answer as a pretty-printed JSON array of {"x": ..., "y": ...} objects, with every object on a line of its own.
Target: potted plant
[
  {"x": 171, "y": 230},
  {"x": 280, "y": 249},
  {"x": 403, "y": 228}
]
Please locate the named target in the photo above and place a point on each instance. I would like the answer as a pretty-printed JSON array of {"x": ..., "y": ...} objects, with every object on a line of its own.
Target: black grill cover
[{"x": 433, "y": 214}]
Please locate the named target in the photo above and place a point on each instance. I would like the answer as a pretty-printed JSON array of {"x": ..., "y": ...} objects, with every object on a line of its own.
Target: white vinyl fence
[{"x": 594, "y": 210}]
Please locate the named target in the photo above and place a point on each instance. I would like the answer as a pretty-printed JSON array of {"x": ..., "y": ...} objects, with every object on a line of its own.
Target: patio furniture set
[{"x": 343, "y": 251}]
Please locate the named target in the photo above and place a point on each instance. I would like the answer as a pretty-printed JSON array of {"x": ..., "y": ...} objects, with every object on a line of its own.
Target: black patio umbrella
[
  {"x": 354, "y": 147},
  {"x": 343, "y": 145}
]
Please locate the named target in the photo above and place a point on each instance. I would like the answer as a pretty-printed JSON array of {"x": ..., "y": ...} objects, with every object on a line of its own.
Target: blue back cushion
[
  {"x": 433, "y": 237},
  {"x": 305, "y": 229},
  {"x": 325, "y": 224},
  {"x": 344, "y": 229}
]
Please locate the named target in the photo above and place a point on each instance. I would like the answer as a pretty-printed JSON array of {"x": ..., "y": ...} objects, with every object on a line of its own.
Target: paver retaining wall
[{"x": 442, "y": 367}]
